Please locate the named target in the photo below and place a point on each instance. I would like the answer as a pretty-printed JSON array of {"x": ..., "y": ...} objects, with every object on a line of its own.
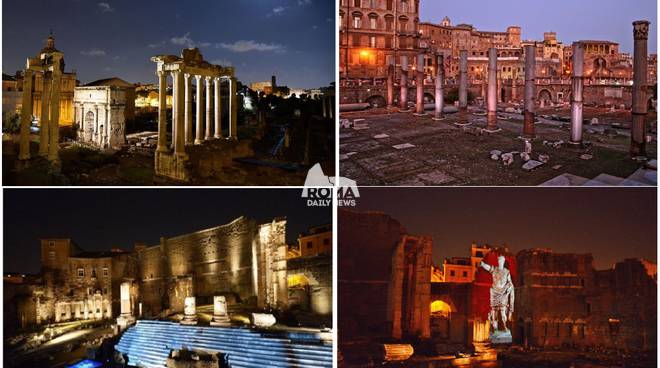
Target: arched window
[{"x": 373, "y": 21}]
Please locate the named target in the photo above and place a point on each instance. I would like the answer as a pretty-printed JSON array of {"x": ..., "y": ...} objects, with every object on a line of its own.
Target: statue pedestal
[
  {"x": 501, "y": 337},
  {"x": 123, "y": 321}
]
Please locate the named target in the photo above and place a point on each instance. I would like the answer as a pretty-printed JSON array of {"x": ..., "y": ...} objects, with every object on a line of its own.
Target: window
[
  {"x": 614, "y": 326},
  {"x": 373, "y": 4},
  {"x": 93, "y": 272},
  {"x": 309, "y": 245},
  {"x": 81, "y": 272},
  {"x": 326, "y": 241},
  {"x": 372, "y": 41},
  {"x": 356, "y": 3},
  {"x": 373, "y": 22},
  {"x": 452, "y": 273},
  {"x": 404, "y": 6},
  {"x": 51, "y": 244},
  {"x": 357, "y": 22},
  {"x": 389, "y": 21},
  {"x": 51, "y": 255},
  {"x": 389, "y": 5},
  {"x": 464, "y": 273},
  {"x": 105, "y": 271},
  {"x": 588, "y": 305},
  {"x": 479, "y": 253}
]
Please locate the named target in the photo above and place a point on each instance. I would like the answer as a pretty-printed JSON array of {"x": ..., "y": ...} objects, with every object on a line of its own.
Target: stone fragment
[
  {"x": 586, "y": 156},
  {"x": 556, "y": 167},
  {"x": 594, "y": 121},
  {"x": 531, "y": 165},
  {"x": 544, "y": 158},
  {"x": 525, "y": 156},
  {"x": 507, "y": 158},
  {"x": 381, "y": 136},
  {"x": 345, "y": 123},
  {"x": 403, "y": 146}
]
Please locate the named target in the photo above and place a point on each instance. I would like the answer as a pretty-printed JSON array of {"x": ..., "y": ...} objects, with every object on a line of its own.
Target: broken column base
[
  {"x": 418, "y": 114},
  {"x": 576, "y": 144},
  {"x": 190, "y": 320},
  {"x": 491, "y": 130},
  {"x": 438, "y": 118},
  {"x": 124, "y": 321},
  {"x": 172, "y": 166},
  {"x": 221, "y": 321}
]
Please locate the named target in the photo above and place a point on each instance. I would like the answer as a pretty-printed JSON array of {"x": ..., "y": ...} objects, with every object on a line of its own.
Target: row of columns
[
  {"x": 93, "y": 133},
  {"x": 49, "y": 119},
  {"x": 182, "y": 125}
]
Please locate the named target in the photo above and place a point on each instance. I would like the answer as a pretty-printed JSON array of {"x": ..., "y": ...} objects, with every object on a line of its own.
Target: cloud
[
  {"x": 187, "y": 41},
  {"x": 304, "y": 2},
  {"x": 250, "y": 45},
  {"x": 278, "y": 10},
  {"x": 105, "y": 7},
  {"x": 93, "y": 52},
  {"x": 223, "y": 62},
  {"x": 154, "y": 45},
  {"x": 315, "y": 27}
]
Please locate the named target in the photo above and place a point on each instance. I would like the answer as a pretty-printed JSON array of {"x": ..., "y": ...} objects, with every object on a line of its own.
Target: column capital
[
  {"x": 175, "y": 72},
  {"x": 217, "y": 79},
  {"x": 161, "y": 73},
  {"x": 207, "y": 78},
  {"x": 641, "y": 29},
  {"x": 198, "y": 77},
  {"x": 186, "y": 76}
]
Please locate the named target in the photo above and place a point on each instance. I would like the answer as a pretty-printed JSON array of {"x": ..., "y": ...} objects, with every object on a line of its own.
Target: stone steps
[
  {"x": 641, "y": 177},
  {"x": 148, "y": 344}
]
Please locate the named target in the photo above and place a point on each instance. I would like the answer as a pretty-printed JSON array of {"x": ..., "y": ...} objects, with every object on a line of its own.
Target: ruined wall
[
  {"x": 316, "y": 294},
  {"x": 151, "y": 274},
  {"x": 561, "y": 300},
  {"x": 271, "y": 272},
  {"x": 366, "y": 242},
  {"x": 456, "y": 326}
]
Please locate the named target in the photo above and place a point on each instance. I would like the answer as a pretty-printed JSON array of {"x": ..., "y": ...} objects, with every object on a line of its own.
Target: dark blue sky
[
  {"x": 100, "y": 219},
  {"x": 102, "y": 38},
  {"x": 572, "y": 19}
]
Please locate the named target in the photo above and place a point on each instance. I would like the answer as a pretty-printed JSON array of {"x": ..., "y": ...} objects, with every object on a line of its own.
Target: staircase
[
  {"x": 148, "y": 344},
  {"x": 641, "y": 177}
]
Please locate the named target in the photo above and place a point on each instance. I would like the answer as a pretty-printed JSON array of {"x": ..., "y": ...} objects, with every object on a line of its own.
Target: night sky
[
  {"x": 100, "y": 219},
  {"x": 610, "y": 223},
  {"x": 294, "y": 39},
  {"x": 573, "y": 20}
]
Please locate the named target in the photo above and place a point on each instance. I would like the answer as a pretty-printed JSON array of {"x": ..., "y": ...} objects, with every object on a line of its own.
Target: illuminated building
[{"x": 317, "y": 240}]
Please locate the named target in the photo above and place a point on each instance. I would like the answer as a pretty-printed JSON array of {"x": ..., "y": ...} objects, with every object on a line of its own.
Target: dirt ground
[
  {"x": 85, "y": 167},
  {"x": 446, "y": 154}
]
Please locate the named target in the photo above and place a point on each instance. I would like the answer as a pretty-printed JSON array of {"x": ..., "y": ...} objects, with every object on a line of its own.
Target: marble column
[
  {"x": 199, "y": 135},
  {"x": 576, "y": 93},
  {"x": 54, "y": 130},
  {"x": 419, "y": 81},
  {"x": 492, "y": 90},
  {"x": 26, "y": 116},
  {"x": 439, "y": 92},
  {"x": 208, "y": 107},
  {"x": 233, "y": 109},
  {"x": 514, "y": 87},
  {"x": 390, "y": 81},
  {"x": 44, "y": 117},
  {"x": 106, "y": 138},
  {"x": 403, "y": 99},
  {"x": 175, "y": 106},
  {"x": 179, "y": 131},
  {"x": 463, "y": 82},
  {"x": 97, "y": 130},
  {"x": 189, "y": 311},
  {"x": 499, "y": 91},
  {"x": 530, "y": 91},
  {"x": 126, "y": 317},
  {"x": 162, "y": 111},
  {"x": 639, "y": 97},
  {"x": 217, "y": 114},
  {"x": 188, "y": 108},
  {"x": 220, "y": 316}
]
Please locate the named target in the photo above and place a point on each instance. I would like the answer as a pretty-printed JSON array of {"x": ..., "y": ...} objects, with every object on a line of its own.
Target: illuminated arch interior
[{"x": 440, "y": 309}]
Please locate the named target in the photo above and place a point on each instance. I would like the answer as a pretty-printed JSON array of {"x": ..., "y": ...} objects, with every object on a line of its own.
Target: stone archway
[
  {"x": 545, "y": 97},
  {"x": 376, "y": 101},
  {"x": 440, "y": 321}
]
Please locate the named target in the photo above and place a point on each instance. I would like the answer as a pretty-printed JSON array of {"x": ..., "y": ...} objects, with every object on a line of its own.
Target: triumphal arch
[{"x": 172, "y": 157}]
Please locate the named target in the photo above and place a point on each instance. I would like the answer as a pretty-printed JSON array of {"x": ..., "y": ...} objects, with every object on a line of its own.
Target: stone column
[
  {"x": 419, "y": 81},
  {"x": 390, "y": 81},
  {"x": 106, "y": 139},
  {"x": 175, "y": 106},
  {"x": 492, "y": 90},
  {"x": 530, "y": 91},
  {"x": 233, "y": 109},
  {"x": 208, "y": 107},
  {"x": 188, "y": 108},
  {"x": 44, "y": 118},
  {"x": 179, "y": 131},
  {"x": 26, "y": 116},
  {"x": 499, "y": 91},
  {"x": 463, "y": 82},
  {"x": 323, "y": 106},
  {"x": 639, "y": 97},
  {"x": 220, "y": 316},
  {"x": 576, "y": 93},
  {"x": 189, "y": 311},
  {"x": 439, "y": 92},
  {"x": 97, "y": 133},
  {"x": 126, "y": 317},
  {"x": 514, "y": 87},
  {"x": 54, "y": 130},
  {"x": 217, "y": 115},
  {"x": 403, "y": 103},
  {"x": 198, "y": 117},
  {"x": 162, "y": 111}
]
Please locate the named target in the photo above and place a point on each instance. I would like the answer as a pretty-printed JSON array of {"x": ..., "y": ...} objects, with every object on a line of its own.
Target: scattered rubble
[
  {"x": 403, "y": 146},
  {"x": 531, "y": 165},
  {"x": 586, "y": 156},
  {"x": 544, "y": 158},
  {"x": 507, "y": 158}
]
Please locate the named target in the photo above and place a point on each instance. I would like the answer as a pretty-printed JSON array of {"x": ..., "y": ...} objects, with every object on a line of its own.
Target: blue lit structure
[
  {"x": 148, "y": 344},
  {"x": 86, "y": 364}
]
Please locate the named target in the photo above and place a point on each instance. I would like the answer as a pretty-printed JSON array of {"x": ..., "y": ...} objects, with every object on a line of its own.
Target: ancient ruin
[
  {"x": 44, "y": 80},
  {"x": 172, "y": 158}
]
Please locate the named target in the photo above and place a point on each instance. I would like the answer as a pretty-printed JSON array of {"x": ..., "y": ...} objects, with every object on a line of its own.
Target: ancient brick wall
[
  {"x": 366, "y": 243},
  {"x": 317, "y": 271}
]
